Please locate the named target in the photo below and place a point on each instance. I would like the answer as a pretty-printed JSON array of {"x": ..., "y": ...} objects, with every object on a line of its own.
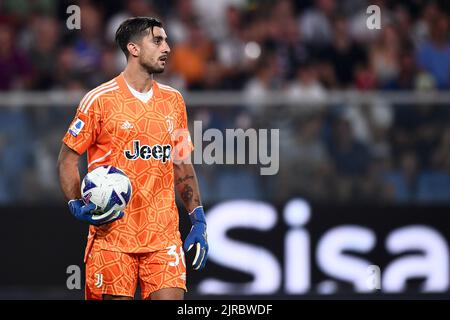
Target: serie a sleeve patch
[{"x": 76, "y": 127}]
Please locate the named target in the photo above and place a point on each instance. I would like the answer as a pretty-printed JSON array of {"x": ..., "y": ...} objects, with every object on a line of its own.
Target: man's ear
[{"x": 133, "y": 49}]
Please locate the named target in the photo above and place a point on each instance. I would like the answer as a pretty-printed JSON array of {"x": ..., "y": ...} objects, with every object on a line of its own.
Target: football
[{"x": 109, "y": 188}]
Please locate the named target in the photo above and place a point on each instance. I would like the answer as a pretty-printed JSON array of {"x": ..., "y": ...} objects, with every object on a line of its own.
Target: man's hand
[
  {"x": 197, "y": 236},
  {"x": 83, "y": 212}
]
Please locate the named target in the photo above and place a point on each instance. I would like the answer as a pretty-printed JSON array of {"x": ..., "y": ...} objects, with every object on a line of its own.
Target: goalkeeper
[{"x": 140, "y": 126}]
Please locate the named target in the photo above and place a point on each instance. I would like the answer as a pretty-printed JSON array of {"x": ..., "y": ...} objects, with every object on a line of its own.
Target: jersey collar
[{"x": 127, "y": 93}]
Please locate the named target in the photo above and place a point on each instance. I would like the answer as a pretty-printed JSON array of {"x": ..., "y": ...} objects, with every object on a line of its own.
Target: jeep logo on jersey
[{"x": 145, "y": 152}]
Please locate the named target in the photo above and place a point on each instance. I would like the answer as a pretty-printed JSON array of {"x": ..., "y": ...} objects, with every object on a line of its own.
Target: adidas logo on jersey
[
  {"x": 146, "y": 152},
  {"x": 126, "y": 125}
]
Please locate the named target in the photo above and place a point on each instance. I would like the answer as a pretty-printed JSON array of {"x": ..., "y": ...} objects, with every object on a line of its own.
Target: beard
[{"x": 152, "y": 68}]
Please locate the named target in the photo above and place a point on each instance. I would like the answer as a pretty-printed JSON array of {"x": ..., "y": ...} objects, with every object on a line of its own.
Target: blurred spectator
[
  {"x": 307, "y": 90},
  {"x": 344, "y": 53},
  {"x": 429, "y": 14},
  {"x": 88, "y": 43},
  {"x": 419, "y": 128},
  {"x": 315, "y": 23},
  {"x": 234, "y": 52},
  {"x": 179, "y": 20},
  {"x": 350, "y": 156},
  {"x": 15, "y": 69},
  {"x": 66, "y": 71},
  {"x": 290, "y": 50},
  {"x": 433, "y": 56},
  {"x": 372, "y": 187},
  {"x": 305, "y": 154},
  {"x": 263, "y": 81},
  {"x": 327, "y": 75},
  {"x": 384, "y": 54},
  {"x": 403, "y": 182},
  {"x": 404, "y": 23},
  {"x": 365, "y": 77},
  {"x": 212, "y": 17},
  {"x": 441, "y": 157},
  {"x": 15, "y": 150},
  {"x": 407, "y": 74},
  {"x": 45, "y": 175},
  {"x": 189, "y": 58},
  {"x": 370, "y": 123},
  {"x": 109, "y": 68},
  {"x": 43, "y": 51}
]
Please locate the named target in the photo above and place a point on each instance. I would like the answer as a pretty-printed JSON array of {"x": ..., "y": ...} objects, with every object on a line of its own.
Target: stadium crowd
[{"x": 378, "y": 152}]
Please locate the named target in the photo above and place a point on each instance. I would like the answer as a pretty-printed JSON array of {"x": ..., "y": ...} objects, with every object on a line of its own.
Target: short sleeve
[
  {"x": 85, "y": 127},
  {"x": 181, "y": 136}
]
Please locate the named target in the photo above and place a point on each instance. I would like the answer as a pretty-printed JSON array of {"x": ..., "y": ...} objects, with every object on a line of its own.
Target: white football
[{"x": 109, "y": 188}]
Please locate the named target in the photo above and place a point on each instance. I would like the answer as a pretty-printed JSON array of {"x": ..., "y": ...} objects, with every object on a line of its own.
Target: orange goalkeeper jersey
[{"x": 142, "y": 139}]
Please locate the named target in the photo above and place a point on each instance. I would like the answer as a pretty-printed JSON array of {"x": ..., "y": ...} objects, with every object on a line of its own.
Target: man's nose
[{"x": 167, "y": 48}]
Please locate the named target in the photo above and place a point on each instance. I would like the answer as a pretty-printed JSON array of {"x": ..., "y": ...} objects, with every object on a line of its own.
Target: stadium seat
[
  {"x": 396, "y": 180},
  {"x": 434, "y": 186}
]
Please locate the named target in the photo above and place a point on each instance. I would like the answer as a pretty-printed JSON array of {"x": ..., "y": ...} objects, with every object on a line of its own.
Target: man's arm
[
  {"x": 69, "y": 180},
  {"x": 187, "y": 187},
  {"x": 69, "y": 176}
]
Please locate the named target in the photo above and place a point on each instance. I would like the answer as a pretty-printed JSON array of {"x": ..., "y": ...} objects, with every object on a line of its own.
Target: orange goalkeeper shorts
[{"x": 118, "y": 273}]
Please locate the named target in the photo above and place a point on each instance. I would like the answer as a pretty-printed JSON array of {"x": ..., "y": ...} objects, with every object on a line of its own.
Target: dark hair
[{"x": 133, "y": 29}]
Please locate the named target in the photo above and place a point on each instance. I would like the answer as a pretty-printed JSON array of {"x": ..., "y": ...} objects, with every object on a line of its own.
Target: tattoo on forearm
[
  {"x": 189, "y": 197},
  {"x": 187, "y": 194},
  {"x": 196, "y": 202},
  {"x": 183, "y": 179},
  {"x": 188, "y": 190}
]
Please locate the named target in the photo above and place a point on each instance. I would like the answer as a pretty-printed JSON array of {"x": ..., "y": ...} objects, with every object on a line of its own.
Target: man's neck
[{"x": 137, "y": 78}]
